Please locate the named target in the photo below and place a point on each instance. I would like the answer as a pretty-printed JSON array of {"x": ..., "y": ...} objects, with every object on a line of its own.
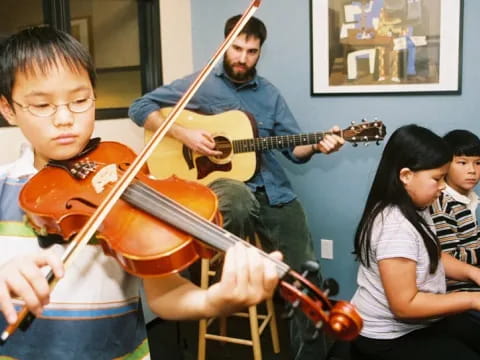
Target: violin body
[{"x": 57, "y": 202}]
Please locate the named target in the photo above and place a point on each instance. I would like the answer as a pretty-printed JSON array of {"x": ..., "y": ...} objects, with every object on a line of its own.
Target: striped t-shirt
[
  {"x": 393, "y": 236},
  {"x": 94, "y": 311},
  {"x": 454, "y": 216}
]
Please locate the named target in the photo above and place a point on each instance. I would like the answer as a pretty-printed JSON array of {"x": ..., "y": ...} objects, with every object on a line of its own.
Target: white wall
[{"x": 176, "y": 24}]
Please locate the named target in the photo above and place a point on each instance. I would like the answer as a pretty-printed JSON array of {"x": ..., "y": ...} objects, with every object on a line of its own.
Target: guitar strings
[{"x": 263, "y": 143}]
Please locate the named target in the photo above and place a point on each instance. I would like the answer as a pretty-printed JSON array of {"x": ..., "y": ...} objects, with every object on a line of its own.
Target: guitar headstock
[{"x": 365, "y": 132}]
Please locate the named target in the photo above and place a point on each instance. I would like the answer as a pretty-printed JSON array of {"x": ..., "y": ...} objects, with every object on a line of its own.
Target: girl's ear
[
  {"x": 7, "y": 111},
  {"x": 405, "y": 175}
]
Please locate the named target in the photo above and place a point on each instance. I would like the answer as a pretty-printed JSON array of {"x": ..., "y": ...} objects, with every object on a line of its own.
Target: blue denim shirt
[{"x": 218, "y": 94}]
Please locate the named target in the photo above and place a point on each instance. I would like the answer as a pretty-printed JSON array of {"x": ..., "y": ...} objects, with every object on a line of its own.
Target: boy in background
[{"x": 454, "y": 212}]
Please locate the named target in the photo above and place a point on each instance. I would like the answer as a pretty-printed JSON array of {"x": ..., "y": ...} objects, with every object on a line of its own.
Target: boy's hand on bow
[{"x": 22, "y": 277}]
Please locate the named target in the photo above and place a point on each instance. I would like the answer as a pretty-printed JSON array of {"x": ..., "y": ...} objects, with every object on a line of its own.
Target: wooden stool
[{"x": 256, "y": 328}]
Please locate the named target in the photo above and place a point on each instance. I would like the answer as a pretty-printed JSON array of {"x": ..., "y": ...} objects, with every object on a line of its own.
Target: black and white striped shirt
[{"x": 456, "y": 226}]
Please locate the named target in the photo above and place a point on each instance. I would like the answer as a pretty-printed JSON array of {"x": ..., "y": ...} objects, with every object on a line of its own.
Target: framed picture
[
  {"x": 385, "y": 46},
  {"x": 81, "y": 30}
]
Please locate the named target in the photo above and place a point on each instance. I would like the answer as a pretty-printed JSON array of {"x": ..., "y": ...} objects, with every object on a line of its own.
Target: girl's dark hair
[
  {"x": 40, "y": 48},
  {"x": 416, "y": 148},
  {"x": 463, "y": 143},
  {"x": 254, "y": 27}
]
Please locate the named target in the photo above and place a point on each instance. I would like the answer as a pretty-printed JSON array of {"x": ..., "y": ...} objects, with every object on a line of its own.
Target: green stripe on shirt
[
  {"x": 140, "y": 353},
  {"x": 15, "y": 228}
]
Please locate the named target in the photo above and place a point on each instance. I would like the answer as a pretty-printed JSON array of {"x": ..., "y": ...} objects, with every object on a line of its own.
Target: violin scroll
[
  {"x": 344, "y": 323},
  {"x": 341, "y": 320}
]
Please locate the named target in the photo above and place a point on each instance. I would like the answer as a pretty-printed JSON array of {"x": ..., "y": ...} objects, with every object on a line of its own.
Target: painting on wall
[
  {"x": 385, "y": 46},
  {"x": 81, "y": 30}
]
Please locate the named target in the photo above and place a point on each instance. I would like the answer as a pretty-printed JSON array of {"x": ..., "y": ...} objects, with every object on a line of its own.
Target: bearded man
[{"x": 266, "y": 203}]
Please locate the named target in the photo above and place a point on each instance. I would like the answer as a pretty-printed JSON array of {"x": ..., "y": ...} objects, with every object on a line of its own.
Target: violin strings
[
  {"x": 165, "y": 206},
  {"x": 153, "y": 202},
  {"x": 191, "y": 222}
]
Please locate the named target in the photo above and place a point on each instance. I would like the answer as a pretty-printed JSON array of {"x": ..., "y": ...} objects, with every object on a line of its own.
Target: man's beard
[{"x": 238, "y": 76}]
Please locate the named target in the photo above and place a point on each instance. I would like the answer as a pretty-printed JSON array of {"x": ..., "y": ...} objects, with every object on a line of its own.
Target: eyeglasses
[{"x": 46, "y": 110}]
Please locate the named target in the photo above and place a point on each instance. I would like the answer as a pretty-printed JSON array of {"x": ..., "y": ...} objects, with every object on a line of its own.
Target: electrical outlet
[{"x": 326, "y": 248}]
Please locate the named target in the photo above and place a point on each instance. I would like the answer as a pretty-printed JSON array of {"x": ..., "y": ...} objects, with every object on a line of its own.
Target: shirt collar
[
  {"x": 24, "y": 164},
  {"x": 470, "y": 200},
  {"x": 220, "y": 72}
]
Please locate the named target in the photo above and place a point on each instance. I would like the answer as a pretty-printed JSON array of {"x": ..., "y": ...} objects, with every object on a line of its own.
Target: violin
[
  {"x": 157, "y": 227},
  {"x": 62, "y": 196}
]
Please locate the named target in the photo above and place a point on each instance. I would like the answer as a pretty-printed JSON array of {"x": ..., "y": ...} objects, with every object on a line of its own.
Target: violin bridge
[{"x": 108, "y": 174}]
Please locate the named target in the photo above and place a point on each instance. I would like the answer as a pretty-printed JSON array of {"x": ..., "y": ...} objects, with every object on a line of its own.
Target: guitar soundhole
[{"x": 224, "y": 145}]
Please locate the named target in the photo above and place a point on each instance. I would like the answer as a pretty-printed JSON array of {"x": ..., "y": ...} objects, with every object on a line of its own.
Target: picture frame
[
  {"x": 385, "y": 46},
  {"x": 80, "y": 28}
]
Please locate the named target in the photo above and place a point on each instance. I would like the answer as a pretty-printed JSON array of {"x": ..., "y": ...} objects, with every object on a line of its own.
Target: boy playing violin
[{"x": 47, "y": 82}]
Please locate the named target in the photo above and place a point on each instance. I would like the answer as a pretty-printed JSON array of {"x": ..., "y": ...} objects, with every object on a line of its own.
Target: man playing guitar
[{"x": 265, "y": 204}]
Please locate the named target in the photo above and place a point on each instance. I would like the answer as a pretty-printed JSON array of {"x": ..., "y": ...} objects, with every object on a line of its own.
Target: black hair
[
  {"x": 416, "y": 148},
  {"x": 463, "y": 143},
  {"x": 39, "y": 49},
  {"x": 254, "y": 27}
]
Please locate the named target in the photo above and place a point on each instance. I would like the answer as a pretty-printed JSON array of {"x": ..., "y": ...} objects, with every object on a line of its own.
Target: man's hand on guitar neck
[{"x": 330, "y": 143}]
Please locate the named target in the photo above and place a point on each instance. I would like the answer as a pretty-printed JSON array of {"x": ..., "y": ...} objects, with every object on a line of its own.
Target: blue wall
[{"x": 333, "y": 188}]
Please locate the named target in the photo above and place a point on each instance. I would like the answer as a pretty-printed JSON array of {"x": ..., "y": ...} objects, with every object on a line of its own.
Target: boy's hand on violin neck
[
  {"x": 21, "y": 277},
  {"x": 247, "y": 279}
]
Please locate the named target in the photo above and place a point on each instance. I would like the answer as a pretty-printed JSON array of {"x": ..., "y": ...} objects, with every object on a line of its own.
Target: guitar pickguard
[
  {"x": 187, "y": 156},
  {"x": 205, "y": 167}
]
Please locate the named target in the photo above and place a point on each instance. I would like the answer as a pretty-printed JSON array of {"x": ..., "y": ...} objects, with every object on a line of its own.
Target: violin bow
[{"x": 81, "y": 239}]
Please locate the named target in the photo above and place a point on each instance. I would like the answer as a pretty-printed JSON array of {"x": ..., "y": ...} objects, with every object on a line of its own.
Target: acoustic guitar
[{"x": 235, "y": 135}]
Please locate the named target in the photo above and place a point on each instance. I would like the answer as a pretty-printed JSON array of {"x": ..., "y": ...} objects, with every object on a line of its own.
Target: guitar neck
[{"x": 276, "y": 142}]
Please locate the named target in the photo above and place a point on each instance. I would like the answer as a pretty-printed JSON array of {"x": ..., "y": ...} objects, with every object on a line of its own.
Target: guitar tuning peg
[
  {"x": 352, "y": 122},
  {"x": 364, "y": 120},
  {"x": 354, "y": 144},
  {"x": 377, "y": 142},
  {"x": 366, "y": 144}
]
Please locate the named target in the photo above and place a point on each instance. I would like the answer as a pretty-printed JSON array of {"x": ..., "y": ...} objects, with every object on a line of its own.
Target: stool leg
[
  {"x": 270, "y": 310},
  {"x": 202, "y": 325},
  {"x": 202, "y": 342},
  {"x": 257, "y": 350},
  {"x": 273, "y": 326}
]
